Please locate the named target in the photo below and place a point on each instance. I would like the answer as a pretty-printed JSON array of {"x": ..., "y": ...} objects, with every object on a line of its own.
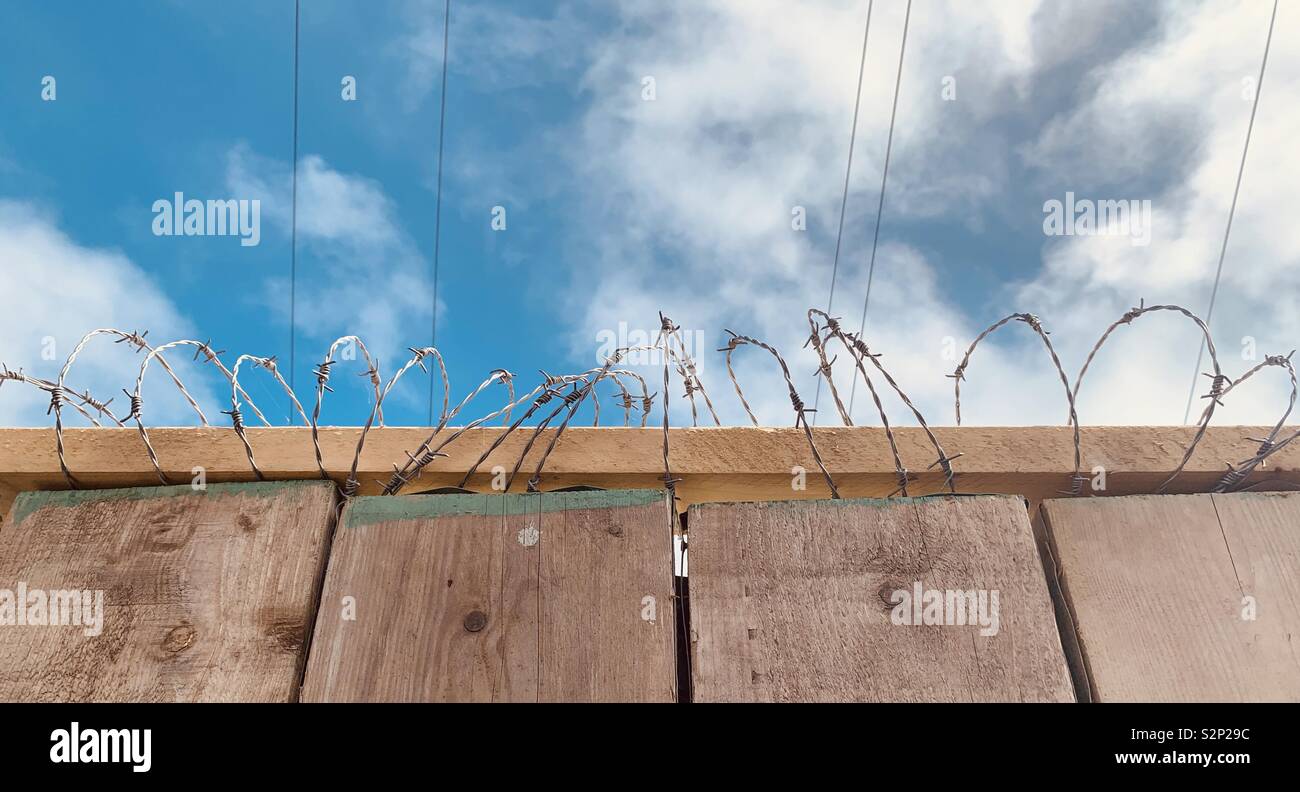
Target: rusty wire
[
  {"x": 1218, "y": 381},
  {"x": 800, "y": 411},
  {"x": 1077, "y": 478}
]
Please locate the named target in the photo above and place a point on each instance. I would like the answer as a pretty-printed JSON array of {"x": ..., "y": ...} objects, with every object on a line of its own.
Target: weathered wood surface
[
  {"x": 726, "y": 464},
  {"x": 793, "y": 601},
  {"x": 556, "y": 585},
  {"x": 207, "y": 595},
  {"x": 1157, "y": 587}
]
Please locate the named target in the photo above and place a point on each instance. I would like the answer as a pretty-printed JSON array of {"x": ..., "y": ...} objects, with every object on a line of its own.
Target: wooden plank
[
  {"x": 795, "y": 601},
  {"x": 1157, "y": 589},
  {"x": 533, "y": 597},
  {"x": 715, "y": 465},
  {"x": 207, "y": 595}
]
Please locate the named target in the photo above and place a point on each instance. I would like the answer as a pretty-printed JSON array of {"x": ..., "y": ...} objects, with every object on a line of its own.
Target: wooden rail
[{"x": 714, "y": 464}]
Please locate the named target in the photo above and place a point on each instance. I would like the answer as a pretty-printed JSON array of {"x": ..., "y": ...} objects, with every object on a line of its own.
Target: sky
[{"x": 602, "y": 162}]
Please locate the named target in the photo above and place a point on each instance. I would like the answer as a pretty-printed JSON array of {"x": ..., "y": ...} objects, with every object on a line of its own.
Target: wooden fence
[{"x": 278, "y": 592}]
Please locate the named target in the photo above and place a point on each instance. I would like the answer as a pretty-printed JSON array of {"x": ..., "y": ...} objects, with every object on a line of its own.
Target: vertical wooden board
[
  {"x": 208, "y": 595},
  {"x": 606, "y": 598},
  {"x": 557, "y": 577},
  {"x": 794, "y": 601},
  {"x": 407, "y": 580},
  {"x": 1156, "y": 586}
]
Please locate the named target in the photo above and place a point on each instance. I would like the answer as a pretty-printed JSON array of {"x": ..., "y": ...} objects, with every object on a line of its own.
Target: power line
[
  {"x": 884, "y": 177},
  {"x": 1214, "y": 292},
  {"x": 437, "y": 212},
  {"x": 848, "y": 170},
  {"x": 293, "y": 223}
]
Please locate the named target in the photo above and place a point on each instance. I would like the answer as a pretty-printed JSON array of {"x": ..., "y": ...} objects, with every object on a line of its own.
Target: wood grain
[
  {"x": 792, "y": 601},
  {"x": 208, "y": 595},
  {"x": 714, "y": 464},
  {"x": 559, "y": 578},
  {"x": 1156, "y": 586}
]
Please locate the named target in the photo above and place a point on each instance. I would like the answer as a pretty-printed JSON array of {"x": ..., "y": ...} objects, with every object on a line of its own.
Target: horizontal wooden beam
[{"x": 714, "y": 464}]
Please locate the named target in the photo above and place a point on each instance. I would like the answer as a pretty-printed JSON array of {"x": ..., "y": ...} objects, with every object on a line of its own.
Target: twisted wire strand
[
  {"x": 647, "y": 399},
  {"x": 685, "y": 367},
  {"x": 236, "y": 414},
  {"x": 627, "y": 402},
  {"x": 323, "y": 371},
  {"x": 1277, "y": 446},
  {"x": 943, "y": 459},
  {"x": 210, "y": 355},
  {"x": 424, "y": 455},
  {"x": 1218, "y": 381},
  {"x": 800, "y": 411},
  {"x": 824, "y": 368},
  {"x": 418, "y": 354},
  {"x": 1236, "y": 475},
  {"x": 860, "y": 351},
  {"x": 549, "y": 390},
  {"x": 833, "y": 327},
  {"x": 137, "y": 340},
  {"x": 566, "y": 400},
  {"x": 595, "y": 407},
  {"x": 84, "y": 398},
  {"x": 729, "y": 349},
  {"x": 1077, "y": 479},
  {"x": 584, "y": 392},
  {"x": 58, "y": 394},
  {"x": 398, "y": 480}
]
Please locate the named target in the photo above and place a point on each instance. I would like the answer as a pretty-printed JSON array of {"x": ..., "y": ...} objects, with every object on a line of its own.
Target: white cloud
[
  {"x": 367, "y": 277},
  {"x": 58, "y": 289},
  {"x": 690, "y": 195}
]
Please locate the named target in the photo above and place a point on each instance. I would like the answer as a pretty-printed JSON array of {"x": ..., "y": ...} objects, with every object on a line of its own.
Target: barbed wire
[
  {"x": 236, "y": 415},
  {"x": 426, "y": 455},
  {"x": 860, "y": 351},
  {"x": 1035, "y": 324},
  {"x": 323, "y": 372},
  {"x": 685, "y": 367},
  {"x": 574, "y": 390},
  {"x": 1217, "y": 380},
  {"x": 58, "y": 393},
  {"x": 137, "y": 401},
  {"x": 1236, "y": 474},
  {"x": 800, "y": 411}
]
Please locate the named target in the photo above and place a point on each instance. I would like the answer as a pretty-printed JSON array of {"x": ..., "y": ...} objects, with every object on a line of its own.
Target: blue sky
[{"x": 617, "y": 207}]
